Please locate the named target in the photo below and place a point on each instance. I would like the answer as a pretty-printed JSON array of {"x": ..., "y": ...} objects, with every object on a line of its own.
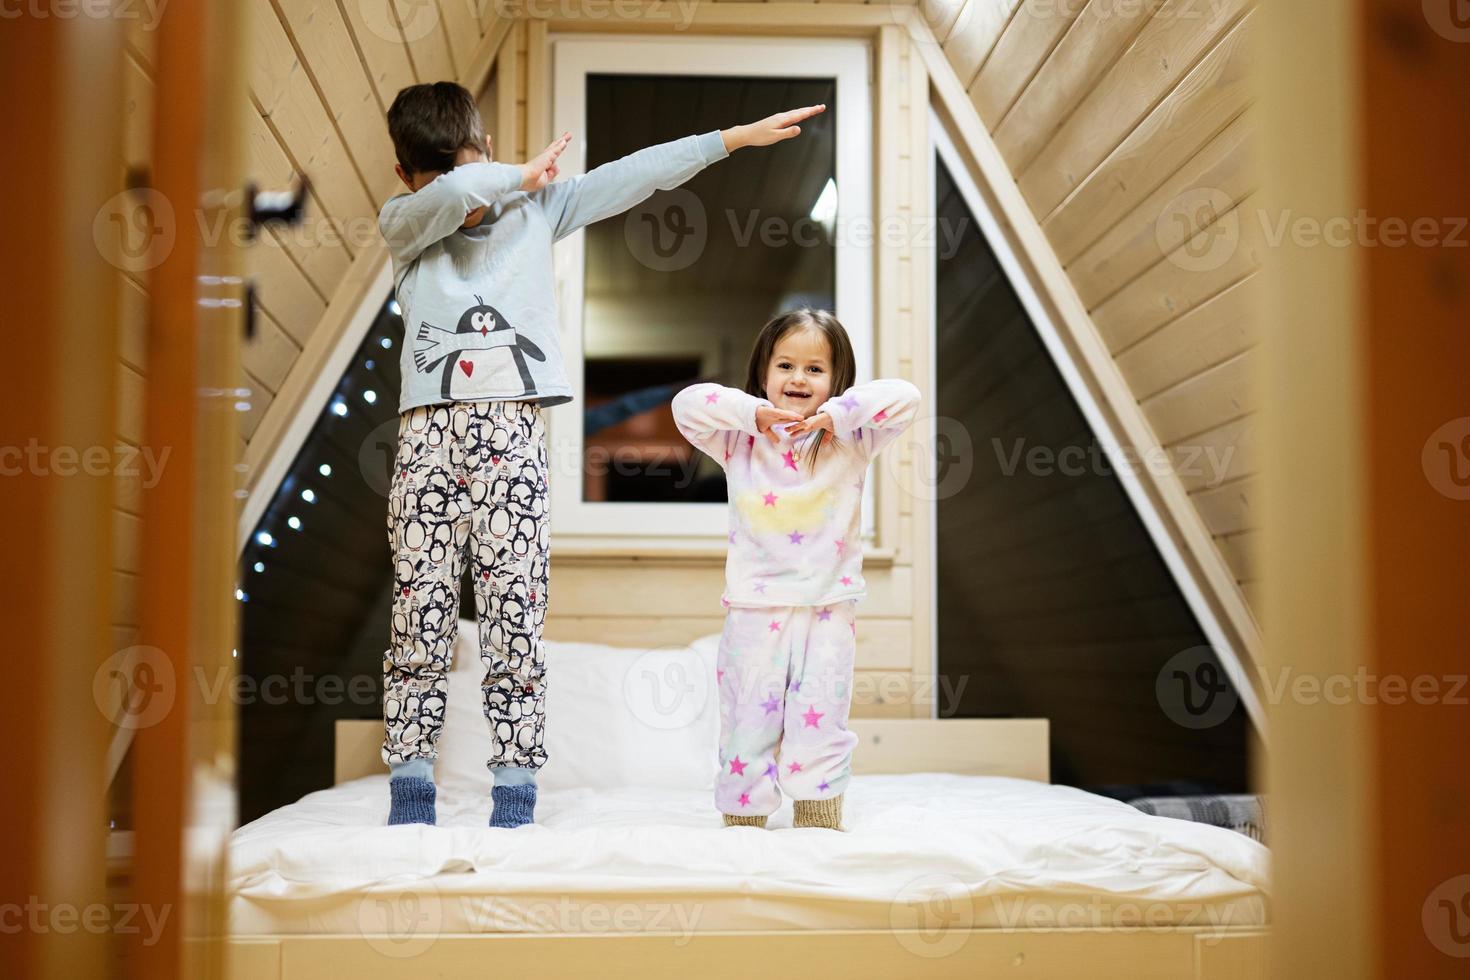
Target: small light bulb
[
  {"x": 325, "y": 469},
  {"x": 309, "y": 495},
  {"x": 293, "y": 522}
]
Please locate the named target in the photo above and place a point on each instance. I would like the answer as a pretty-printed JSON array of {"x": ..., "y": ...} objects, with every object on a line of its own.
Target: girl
[{"x": 795, "y": 446}]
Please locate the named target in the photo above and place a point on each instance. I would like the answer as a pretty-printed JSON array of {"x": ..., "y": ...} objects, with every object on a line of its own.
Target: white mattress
[{"x": 920, "y": 849}]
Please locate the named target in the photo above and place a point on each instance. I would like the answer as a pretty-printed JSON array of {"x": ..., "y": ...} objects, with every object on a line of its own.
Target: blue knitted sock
[
  {"x": 513, "y": 806},
  {"x": 412, "y": 799}
]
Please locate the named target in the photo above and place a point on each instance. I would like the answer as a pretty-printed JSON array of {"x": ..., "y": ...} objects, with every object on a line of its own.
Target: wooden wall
[
  {"x": 1126, "y": 127},
  {"x": 319, "y": 87},
  {"x": 1123, "y": 125}
]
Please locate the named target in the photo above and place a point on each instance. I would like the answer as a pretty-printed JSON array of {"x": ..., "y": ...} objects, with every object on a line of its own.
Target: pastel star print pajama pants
[
  {"x": 469, "y": 478},
  {"x": 785, "y": 676}
]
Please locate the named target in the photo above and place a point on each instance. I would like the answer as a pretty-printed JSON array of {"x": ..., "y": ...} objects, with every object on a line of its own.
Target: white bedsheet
[{"x": 920, "y": 850}]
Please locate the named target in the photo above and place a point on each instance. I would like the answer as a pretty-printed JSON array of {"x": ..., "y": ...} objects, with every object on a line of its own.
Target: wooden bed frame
[{"x": 1007, "y": 747}]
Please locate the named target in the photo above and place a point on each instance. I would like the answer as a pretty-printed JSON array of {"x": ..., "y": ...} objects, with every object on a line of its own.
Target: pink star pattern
[
  {"x": 880, "y": 416},
  {"x": 796, "y": 537},
  {"x": 794, "y": 768},
  {"x": 769, "y": 498},
  {"x": 719, "y": 676},
  {"x": 737, "y": 768},
  {"x": 750, "y": 440},
  {"x": 841, "y": 546},
  {"x": 812, "y": 716},
  {"x": 846, "y": 580},
  {"x": 824, "y": 615},
  {"x": 745, "y": 799},
  {"x": 790, "y": 459},
  {"x": 775, "y": 626},
  {"x": 711, "y": 398},
  {"x": 771, "y": 704}
]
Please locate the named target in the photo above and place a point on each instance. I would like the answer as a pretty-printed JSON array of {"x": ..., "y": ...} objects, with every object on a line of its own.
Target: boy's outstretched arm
[
  {"x": 412, "y": 222},
  {"x": 618, "y": 185}
]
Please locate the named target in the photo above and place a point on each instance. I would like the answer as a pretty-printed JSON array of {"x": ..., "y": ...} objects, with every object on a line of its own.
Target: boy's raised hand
[
  {"x": 541, "y": 169},
  {"x": 772, "y": 129}
]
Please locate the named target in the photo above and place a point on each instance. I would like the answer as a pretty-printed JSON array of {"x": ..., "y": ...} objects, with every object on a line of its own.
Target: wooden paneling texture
[{"x": 1128, "y": 129}]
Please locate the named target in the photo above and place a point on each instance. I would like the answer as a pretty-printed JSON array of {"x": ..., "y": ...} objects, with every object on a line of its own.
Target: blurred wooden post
[
  {"x": 63, "y": 135},
  {"x": 183, "y": 772},
  {"x": 1367, "y": 550}
]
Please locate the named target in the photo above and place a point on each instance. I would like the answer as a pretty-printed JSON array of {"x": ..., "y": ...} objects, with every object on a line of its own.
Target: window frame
[{"x": 574, "y": 57}]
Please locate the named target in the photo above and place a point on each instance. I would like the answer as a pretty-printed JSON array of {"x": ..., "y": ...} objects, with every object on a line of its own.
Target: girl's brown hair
[{"x": 844, "y": 365}]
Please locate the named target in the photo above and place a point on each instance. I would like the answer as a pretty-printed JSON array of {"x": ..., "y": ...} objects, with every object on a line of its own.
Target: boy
[{"x": 471, "y": 250}]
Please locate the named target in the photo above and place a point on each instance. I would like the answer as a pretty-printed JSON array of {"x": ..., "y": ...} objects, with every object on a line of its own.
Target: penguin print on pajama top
[{"x": 482, "y": 347}]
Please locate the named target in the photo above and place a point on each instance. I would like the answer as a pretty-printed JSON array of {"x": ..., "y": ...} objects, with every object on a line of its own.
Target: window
[{"x": 675, "y": 290}]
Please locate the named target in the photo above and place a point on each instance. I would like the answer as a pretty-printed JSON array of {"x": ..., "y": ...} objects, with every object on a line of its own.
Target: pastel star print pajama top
[{"x": 792, "y": 580}]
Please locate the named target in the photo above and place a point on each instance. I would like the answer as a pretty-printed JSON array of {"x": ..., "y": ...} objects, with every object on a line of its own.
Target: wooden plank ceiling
[{"x": 1128, "y": 129}]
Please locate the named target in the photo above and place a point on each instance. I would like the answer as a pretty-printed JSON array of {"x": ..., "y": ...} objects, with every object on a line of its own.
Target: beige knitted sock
[
  {"x": 819, "y": 813},
  {"x": 731, "y": 820}
]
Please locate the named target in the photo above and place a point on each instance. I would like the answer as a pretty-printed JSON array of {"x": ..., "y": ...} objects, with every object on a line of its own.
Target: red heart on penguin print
[
  {"x": 468, "y": 367},
  {"x": 495, "y": 460}
]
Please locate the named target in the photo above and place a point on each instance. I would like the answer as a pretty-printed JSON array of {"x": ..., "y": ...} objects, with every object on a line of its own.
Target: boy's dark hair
[
  {"x": 430, "y": 123},
  {"x": 844, "y": 364}
]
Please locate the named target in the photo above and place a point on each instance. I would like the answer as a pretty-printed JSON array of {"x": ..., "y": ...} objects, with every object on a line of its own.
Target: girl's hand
[
  {"x": 541, "y": 169},
  {"x": 772, "y": 129},
  {"x": 821, "y": 421},
  {"x": 767, "y": 416}
]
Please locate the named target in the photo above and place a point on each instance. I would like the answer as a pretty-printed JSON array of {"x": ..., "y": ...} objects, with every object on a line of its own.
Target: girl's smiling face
[{"x": 799, "y": 375}]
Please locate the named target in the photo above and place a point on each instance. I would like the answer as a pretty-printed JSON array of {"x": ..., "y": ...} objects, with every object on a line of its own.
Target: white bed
[
  {"x": 949, "y": 864},
  {"x": 987, "y": 851}
]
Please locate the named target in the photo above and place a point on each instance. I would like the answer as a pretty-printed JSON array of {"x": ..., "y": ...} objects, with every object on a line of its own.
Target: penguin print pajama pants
[
  {"x": 785, "y": 678},
  {"x": 469, "y": 479}
]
